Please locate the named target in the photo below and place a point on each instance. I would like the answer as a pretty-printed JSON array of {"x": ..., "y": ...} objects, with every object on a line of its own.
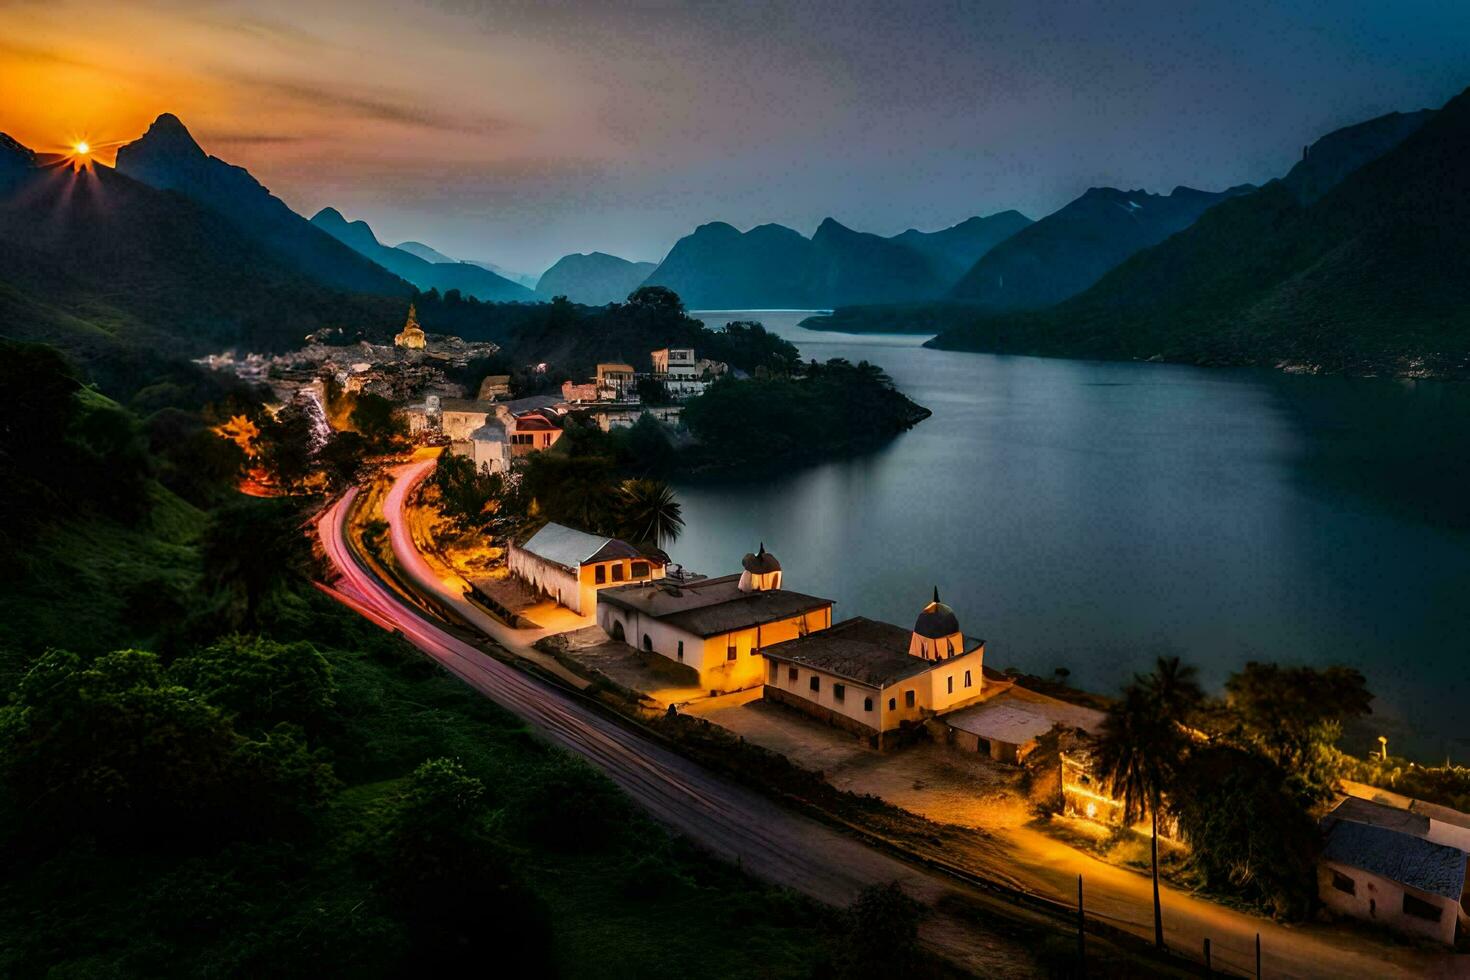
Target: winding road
[{"x": 786, "y": 848}]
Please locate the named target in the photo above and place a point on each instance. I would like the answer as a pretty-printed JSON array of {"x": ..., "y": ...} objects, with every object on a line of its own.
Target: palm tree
[
  {"x": 649, "y": 512},
  {"x": 1136, "y": 757},
  {"x": 1175, "y": 688}
]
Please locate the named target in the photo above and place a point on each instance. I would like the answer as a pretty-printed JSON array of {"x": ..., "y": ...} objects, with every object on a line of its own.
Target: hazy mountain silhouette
[
  {"x": 1070, "y": 249},
  {"x": 166, "y": 157},
  {"x": 774, "y": 267},
  {"x": 593, "y": 278},
  {"x": 1370, "y": 275},
  {"x": 469, "y": 279},
  {"x": 955, "y": 249}
]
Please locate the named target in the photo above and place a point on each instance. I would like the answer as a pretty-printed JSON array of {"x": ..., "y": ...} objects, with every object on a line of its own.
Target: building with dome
[
  {"x": 718, "y": 627},
  {"x": 871, "y": 678}
]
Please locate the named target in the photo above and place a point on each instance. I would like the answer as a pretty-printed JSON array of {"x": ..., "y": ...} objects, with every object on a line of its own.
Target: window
[
  {"x": 839, "y": 692},
  {"x": 967, "y": 678},
  {"x": 1421, "y": 909},
  {"x": 892, "y": 704},
  {"x": 640, "y": 569},
  {"x": 950, "y": 684},
  {"x": 617, "y": 572},
  {"x": 600, "y": 575},
  {"x": 816, "y": 683},
  {"x": 681, "y": 651},
  {"x": 908, "y": 699},
  {"x": 867, "y": 704},
  {"x": 1343, "y": 883},
  {"x": 730, "y": 651},
  {"x": 791, "y": 674},
  {"x": 771, "y": 672}
]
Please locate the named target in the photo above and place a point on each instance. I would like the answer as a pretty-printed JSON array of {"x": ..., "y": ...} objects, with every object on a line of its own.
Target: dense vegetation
[
  {"x": 1370, "y": 278},
  {"x": 832, "y": 409},
  {"x": 207, "y": 767},
  {"x": 1242, "y": 776}
]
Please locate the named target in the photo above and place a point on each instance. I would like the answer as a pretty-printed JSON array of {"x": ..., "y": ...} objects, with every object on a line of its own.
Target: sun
[{"x": 82, "y": 148}]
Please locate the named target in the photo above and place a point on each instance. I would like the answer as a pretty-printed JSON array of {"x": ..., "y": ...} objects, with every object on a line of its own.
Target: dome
[
  {"x": 937, "y": 620},
  {"x": 761, "y": 563}
]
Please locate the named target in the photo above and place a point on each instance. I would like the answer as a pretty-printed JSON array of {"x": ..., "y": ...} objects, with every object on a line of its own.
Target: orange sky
[{"x": 520, "y": 130}]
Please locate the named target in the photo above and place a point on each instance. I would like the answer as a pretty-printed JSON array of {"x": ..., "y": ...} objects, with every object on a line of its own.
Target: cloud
[
  {"x": 377, "y": 108},
  {"x": 50, "y": 56},
  {"x": 253, "y": 139}
]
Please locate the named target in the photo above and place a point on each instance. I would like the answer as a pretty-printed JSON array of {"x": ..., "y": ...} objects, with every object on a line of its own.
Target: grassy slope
[{"x": 642, "y": 904}]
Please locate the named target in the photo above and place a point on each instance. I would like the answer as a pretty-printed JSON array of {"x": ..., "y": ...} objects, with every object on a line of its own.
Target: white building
[
  {"x": 870, "y": 678},
  {"x": 460, "y": 417},
  {"x": 682, "y": 374},
  {"x": 490, "y": 448},
  {"x": 1378, "y": 865},
  {"x": 718, "y": 627},
  {"x": 571, "y": 566}
]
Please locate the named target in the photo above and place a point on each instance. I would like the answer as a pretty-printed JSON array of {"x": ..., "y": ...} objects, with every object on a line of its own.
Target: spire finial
[
  {"x": 936, "y": 595},
  {"x": 762, "y": 549}
]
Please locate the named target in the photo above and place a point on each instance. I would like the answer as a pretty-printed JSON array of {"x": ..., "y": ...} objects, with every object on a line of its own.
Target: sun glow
[{"x": 82, "y": 148}]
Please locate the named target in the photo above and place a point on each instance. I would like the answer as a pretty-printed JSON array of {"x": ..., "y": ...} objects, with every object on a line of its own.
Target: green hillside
[{"x": 1371, "y": 278}]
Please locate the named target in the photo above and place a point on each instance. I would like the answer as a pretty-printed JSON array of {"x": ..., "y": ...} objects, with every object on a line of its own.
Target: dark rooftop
[
  {"x": 860, "y": 649},
  {"x": 712, "y": 606},
  {"x": 1400, "y": 857}
]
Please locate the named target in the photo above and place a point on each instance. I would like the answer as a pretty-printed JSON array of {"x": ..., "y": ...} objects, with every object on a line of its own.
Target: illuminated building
[
  {"x": 571, "y": 566},
  {"x": 718, "y": 627},
  {"x": 870, "y": 678}
]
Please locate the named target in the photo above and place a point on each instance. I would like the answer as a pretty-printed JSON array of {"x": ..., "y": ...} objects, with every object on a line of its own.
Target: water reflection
[{"x": 1088, "y": 515}]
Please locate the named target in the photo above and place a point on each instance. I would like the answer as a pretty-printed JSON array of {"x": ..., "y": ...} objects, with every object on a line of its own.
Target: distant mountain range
[
  {"x": 1070, "y": 249},
  {"x": 1358, "y": 261},
  {"x": 468, "y": 278},
  {"x": 167, "y": 158},
  {"x": 429, "y": 254},
  {"x": 774, "y": 267},
  {"x": 593, "y": 278}
]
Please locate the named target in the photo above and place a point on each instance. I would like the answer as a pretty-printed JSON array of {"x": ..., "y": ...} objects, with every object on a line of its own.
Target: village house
[
  {"x": 533, "y": 430},
  {"x": 1379, "y": 864},
  {"x": 573, "y": 392},
  {"x": 718, "y": 627},
  {"x": 460, "y": 417},
  {"x": 870, "y": 678},
  {"x": 571, "y": 566},
  {"x": 682, "y": 374},
  {"x": 618, "y": 380},
  {"x": 1008, "y": 726}
]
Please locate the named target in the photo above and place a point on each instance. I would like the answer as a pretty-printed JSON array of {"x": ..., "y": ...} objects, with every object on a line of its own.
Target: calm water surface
[{"x": 1091, "y": 516}]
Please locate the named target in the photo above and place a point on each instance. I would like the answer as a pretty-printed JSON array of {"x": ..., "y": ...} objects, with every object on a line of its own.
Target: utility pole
[
  {"x": 1258, "y": 956},
  {"x": 1208, "y": 971},
  {"x": 1081, "y": 933}
]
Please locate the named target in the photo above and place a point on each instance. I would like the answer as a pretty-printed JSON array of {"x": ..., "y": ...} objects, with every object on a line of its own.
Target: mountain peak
[
  {"x": 168, "y": 131},
  {"x": 328, "y": 215}
]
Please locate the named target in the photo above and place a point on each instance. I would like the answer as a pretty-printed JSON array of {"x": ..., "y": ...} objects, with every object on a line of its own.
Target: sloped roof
[
  {"x": 1001, "y": 722},
  {"x": 571, "y": 548},
  {"x": 1379, "y": 815},
  {"x": 712, "y": 606},
  {"x": 859, "y": 649},
  {"x": 1397, "y": 856}
]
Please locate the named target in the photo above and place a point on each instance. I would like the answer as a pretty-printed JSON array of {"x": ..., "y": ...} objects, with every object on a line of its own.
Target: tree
[
  {"x": 661, "y": 299},
  {"x": 882, "y": 935},
  {"x": 379, "y": 422},
  {"x": 255, "y": 554},
  {"x": 287, "y": 446},
  {"x": 470, "y": 498},
  {"x": 113, "y": 746},
  {"x": 342, "y": 457},
  {"x": 1294, "y": 715},
  {"x": 1175, "y": 688},
  {"x": 259, "y": 681},
  {"x": 648, "y": 512},
  {"x": 1138, "y": 755},
  {"x": 1247, "y": 829},
  {"x": 453, "y": 881}
]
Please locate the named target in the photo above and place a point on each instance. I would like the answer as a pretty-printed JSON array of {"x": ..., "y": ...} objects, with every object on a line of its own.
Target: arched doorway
[
  {"x": 647, "y": 643},
  {"x": 617, "y": 631}
]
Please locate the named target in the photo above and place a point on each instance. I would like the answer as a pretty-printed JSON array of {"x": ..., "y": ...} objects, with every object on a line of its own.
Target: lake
[{"x": 1092, "y": 516}]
